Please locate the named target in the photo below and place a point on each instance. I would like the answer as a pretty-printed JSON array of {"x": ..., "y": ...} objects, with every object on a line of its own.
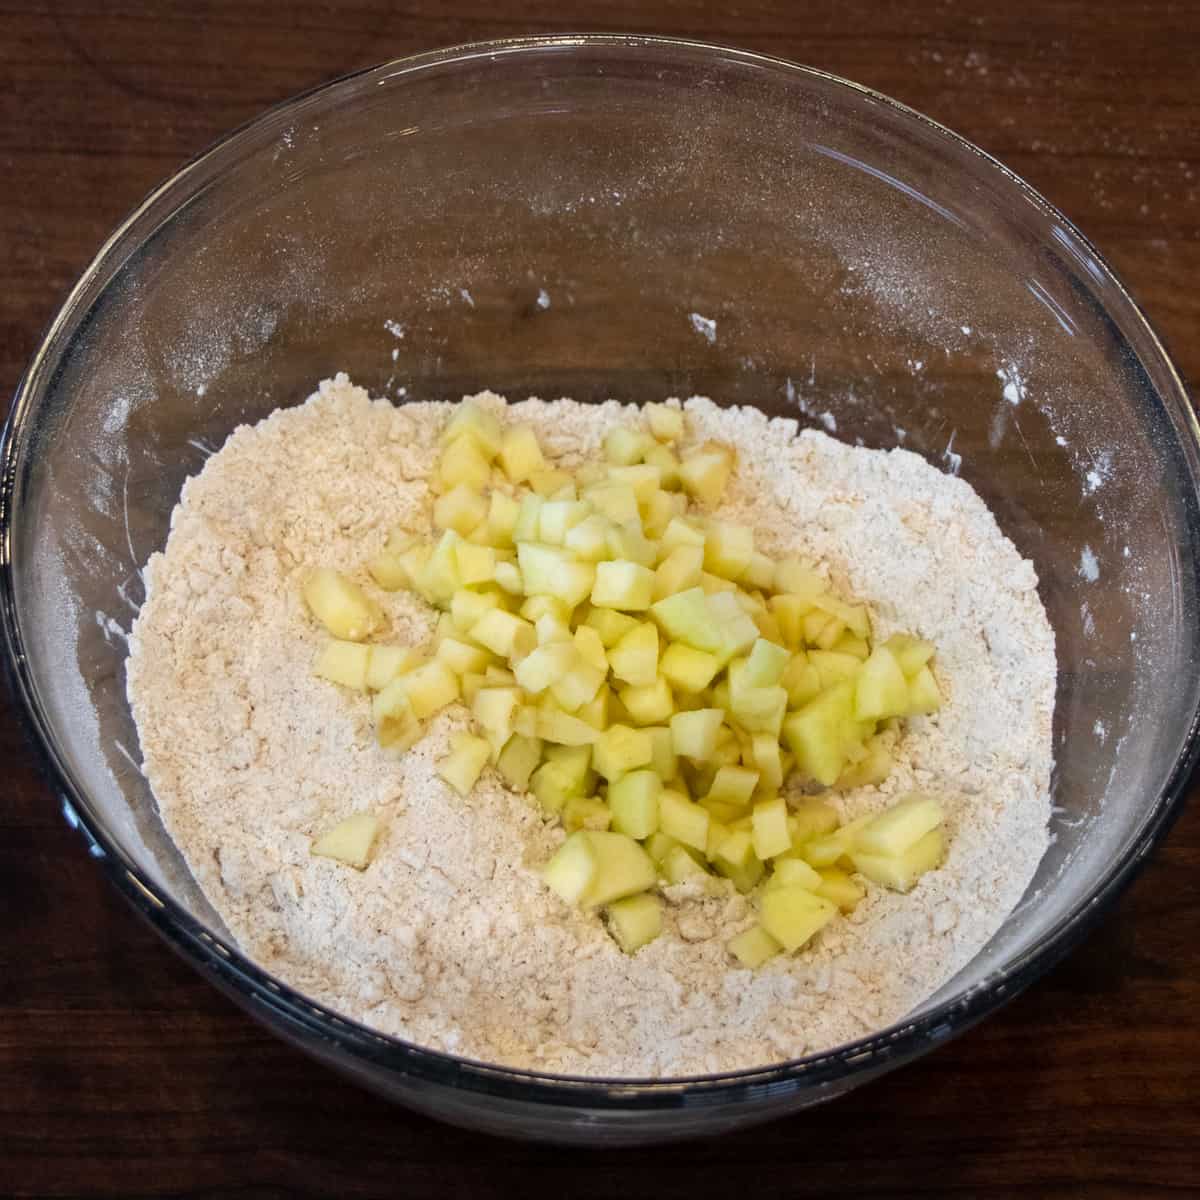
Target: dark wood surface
[{"x": 122, "y": 1074}]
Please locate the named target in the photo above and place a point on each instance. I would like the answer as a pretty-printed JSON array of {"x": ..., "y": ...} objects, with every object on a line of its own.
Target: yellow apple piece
[
  {"x": 900, "y": 872},
  {"x": 350, "y": 841},
  {"x": 633, "y": 799},
  {"x": 792, "y": 915},
  {"x": 462, "y": 767},
  {"x": 341, "y": 605},
  {"x": 753, "y": 947},
  {"x": 345, "y": 663},
  {"x": 623, "y": 585}
]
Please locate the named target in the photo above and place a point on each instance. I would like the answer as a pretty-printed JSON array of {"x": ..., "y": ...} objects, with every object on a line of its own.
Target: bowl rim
[{"x": 311, "y": 1022}]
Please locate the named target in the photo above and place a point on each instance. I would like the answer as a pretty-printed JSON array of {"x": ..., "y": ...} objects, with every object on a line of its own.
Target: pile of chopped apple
[{"x": 652, "y": 677}]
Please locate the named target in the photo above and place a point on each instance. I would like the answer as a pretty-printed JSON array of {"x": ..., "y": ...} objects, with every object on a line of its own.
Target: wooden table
[{"x": 122, "y": 1074}]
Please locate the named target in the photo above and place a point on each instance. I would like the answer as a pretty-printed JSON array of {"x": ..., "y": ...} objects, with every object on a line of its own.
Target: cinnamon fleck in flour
[{"x": 448, "y": 938}]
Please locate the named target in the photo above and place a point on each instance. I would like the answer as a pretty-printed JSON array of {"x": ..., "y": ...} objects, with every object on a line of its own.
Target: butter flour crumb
[{"x": 449, "y": 939}]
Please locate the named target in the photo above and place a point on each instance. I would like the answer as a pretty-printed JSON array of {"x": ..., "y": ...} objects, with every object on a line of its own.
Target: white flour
[{"x": 448, "y": 938}]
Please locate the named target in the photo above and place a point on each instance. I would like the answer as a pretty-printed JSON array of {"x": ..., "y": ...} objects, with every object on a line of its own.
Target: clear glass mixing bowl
[{"x": 555, "y": 216}]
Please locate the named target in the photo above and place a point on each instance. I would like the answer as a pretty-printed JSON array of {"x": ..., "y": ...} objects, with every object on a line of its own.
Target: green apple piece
[
  {"x": 881, "y": 691},
  {"x": 633, "y": 799},
  {"x": 585, "y": 812},
  {"x": 579, "y": 685},
  {"x": 623, "y": 868},
  {"x": 686, "y": 669},
  {"x": 635, "y": 921},
  {"x": 770, "y": 828},
  {"x": 520, "y": 455},
  {"x": 562, "y": 776},
  {"x": 518, "y": 760},
  {"x": 650, "y": 705},
  {"x": 792, "y": 915},
  {"x": 860, "y": 648},
  {"x": 704, "y": 473},
  {"x": 462, "y": 767},
  {"x": 832, "y": 667},
  {"x": 623, "y": 585},
  {"x": 679, "y": 571},
  {"x": 900, "y": 827},
  {"x": 634, "y": 658},
  {"x": 912, "y": 653},
  {"x": 495, "y": 710},
  {"x": 345, "y": 663},
  {"x": 728, "y": 549},
  {"x": 753, "y": 947},
  {"x": 736, "y": 627},
  {"x": 595, "y": 711},
  {"x": 817, "y": 734},
  {"x": 509, "y": 636},
  {"x": 839, "y": 888},
  {"x": 461, "y": 657},
  {"x": 688, "y": 823},
  {"x": 923, "y": 694},
  {"x": 429, "y": 687},
  {"x": 759, "y": 710},
  {"x": 694, "y": 734},
  {"x": 341, "y": 605},
  {"x": 794, "y": 872},
  {"x": 573, "y": 869},
  {"x": 349, "y": 841},
  {"x": 620, "y": 749},
  {"x": 900, "y": 872},
  {"x": 767, "y": 759},
  {"x": 679, "y": 866}
]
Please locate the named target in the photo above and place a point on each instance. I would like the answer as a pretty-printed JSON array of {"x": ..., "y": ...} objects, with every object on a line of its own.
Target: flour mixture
[{"x": 449, "y": 938}]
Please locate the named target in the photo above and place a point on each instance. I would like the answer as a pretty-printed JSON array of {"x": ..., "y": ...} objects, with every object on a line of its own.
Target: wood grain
[{"x": 125, "y": 1075}]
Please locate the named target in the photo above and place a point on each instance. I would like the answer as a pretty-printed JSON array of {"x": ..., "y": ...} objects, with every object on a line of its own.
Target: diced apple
[
  {"x": 734, "y": 785},
  {"x": 679, "y": 866},
  {"x": 429, "y": 687},
  {"x": 386, "y": 662},
  {"x": 396, "y": 725},
  {"x": 728, "y": 549},
  {"x": 616, "y": 501},
  {"x": 694, "y": 734},
  {"x": 462, "y": 767},
  {"x": 551, "y": 482},
  {"x": 461, "y": 509},
  {"x": 840, "y": 889},
  {"x": 541, "y": 667},
  {"x": 680, "y": 532},
  {"x": 588, "y": 540},
  {"x": 345, "y": 663},
  {"x": 341, "y": 605},
  {"x": 873, "y": 768},
  {"x": 563, "y": 729},
  {"x": 666, "y": 423},
  {"x": 900, "y": 872},
  {"x": 792, "y": 915},
  {"x": 558, "y": 517},
  {"x": 611, "y": 625},
  {"x": 552, "y": 571},
  {"x": 923, "y": 694},
  {"x": 476, "y": 564},
  {"x": 686, "y": 669},
  {"x": 518, "y": 760},
  {"x": 520, "y": 455},
  {"x": 770, "y": 828},
  {"x": 705, "y": 473},
  {"x": 620, "y": 749},
  {"x": 634, "y": 658},
  {"x": 662, "y": 753},
  {"x": 795, "y": 872},
  {"x": 350, "y": 841},
  {"x": 679, "y": 571},
  {"x": 463, "y": 462},
  {"x": 649, "y": 705},
  {"x": 633, "y": 799},
  {"x": 623, "y": 446},
  {"x": 736, "y": 860},
  {"x": 686, "y": 617},
  {"x": 688, "y": 823},
  {"x": 817, "y": 733},
  {"x": 912, "y": 653},
  {"x": 753, "y": 947},
  {"x": 881, "y": 691},
  {"x": 504, "y": 634},
  {"x": 623, "y": 585},
  {"x": 900, "y": 827},
  {"x": 635, "y": 921}
]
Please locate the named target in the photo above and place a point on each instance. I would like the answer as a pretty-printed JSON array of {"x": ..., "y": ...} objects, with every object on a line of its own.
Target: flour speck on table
[{"x": 450, "y": 938}]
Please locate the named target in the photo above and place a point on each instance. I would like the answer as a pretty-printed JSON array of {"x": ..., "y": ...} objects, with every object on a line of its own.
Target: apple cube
[
  {"x": 519, "y": 453},
  {"x": 881, "y": 691},
  {"x": 623, "y": 585},
  {"x": 792, "y": 915},
  {"x": 704, "y": 473},
  {"x": 770, "y": 828},
  {"x": 350, "y": 841},
  {"x": 635, "y": 921},
  {"x": 462, "y": 767},
  {"x": 341, "y": 605},
  {"x": 345, "y": 663},
  {"x": 753, "y": 947},
  {"x": 900, "y": 872},
  {"x": 633, "y": 799}
]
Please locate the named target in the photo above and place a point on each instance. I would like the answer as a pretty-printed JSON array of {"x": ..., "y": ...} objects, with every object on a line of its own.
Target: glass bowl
[{"x": 564, "y": 216}]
